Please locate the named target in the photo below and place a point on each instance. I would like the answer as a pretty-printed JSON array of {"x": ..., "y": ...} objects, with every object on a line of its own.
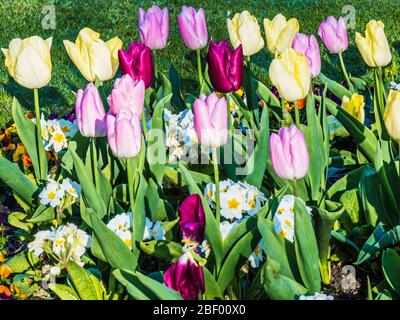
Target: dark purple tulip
[
  {"x": 138, "y": 63},
  {"x": 225, "y": 66},
  {"x": 192, "y": 222}
]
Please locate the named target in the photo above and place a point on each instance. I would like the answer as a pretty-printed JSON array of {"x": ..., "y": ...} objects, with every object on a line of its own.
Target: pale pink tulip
[
  {"x": 154, "y": 27},
  {"x": 308, "y": 45},
  {"x": 193, "y": 28}
]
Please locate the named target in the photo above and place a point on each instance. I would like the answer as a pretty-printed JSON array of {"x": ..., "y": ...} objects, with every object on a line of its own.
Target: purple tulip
[
  {"x": 138, "y": 63},
  {"x": 211, "y": 120},
  {"x": 127, "y": 94},
  {"x": 334, "y": 34},
  {"x": 192, "y": 222},
  {"x": 225, "y": 66},
  {"x": 308, "y": 45},
  {"x": 289, "y": 154},
  {"x": 90, "y": 112},
  {"x": 193, "y": 28},
  {"x": 124, "y": 134},
  {"x": 154, "y": 27}
]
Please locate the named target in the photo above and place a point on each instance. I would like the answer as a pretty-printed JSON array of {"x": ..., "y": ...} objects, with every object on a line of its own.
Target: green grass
[{"x": 22, "y": 18}]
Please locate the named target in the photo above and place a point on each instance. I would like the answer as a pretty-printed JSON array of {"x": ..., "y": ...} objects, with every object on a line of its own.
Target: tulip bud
[
  {"x": 154, "y": 27},
  {"x": 355, "y": 106},
  {"x": 374, "y": 48},
  {"x": 124, "y": 134},
  {"x": 211, "y": 120},
  {"x": 291, "y": 74},
  {"x": 392, "y": 114},
  {"x": 90, "y": 112},
  {"x": 94, "y": 57},
  {"x": 334, "y": 34},
  {"x": 138, "y": 63},
  {"x": 28, "y": 61},
  {"x": 225, "y": 66},
  {"x": 289, "y": 154},
  {"x": 244, "y": 30},
  {"x": 192, "y": 222},
  {"x": 308, "y": 45},
  {"x": 193, "y": 28},
  {"x": 280, "y": 33},
  {"x": 127, "y": 94}
]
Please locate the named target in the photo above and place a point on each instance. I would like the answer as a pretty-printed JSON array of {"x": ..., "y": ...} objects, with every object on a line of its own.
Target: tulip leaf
[
  {"x": 270, "y": 99},
  {"x": 19, "y": 220},
  {"x": 212, "y": 291},
  {"x": 391, "y": 268},
  {"x": 337, "y": 89},
  {"x": 15, "y": 179},
  {"x": 168, "y": 251},
  {"x": 63, "y": 292},
  {"x": 139, "y": 214},
  {"x": 42, "y": 214},
  {"x": 174, "y": 176},
  {"x": 306, "y": 248},
  {"x": 177, "y": 99}
]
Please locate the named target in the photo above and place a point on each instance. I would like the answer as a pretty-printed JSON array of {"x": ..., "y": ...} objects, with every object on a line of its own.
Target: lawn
[{"x": 22, "y": 18}]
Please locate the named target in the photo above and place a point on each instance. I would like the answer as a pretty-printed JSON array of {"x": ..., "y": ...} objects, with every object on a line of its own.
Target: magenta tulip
[
  {"x": 193, "y": 28},
  {"x": 192, "y": 222},
  {"x": 124, "y": 134},
  {"x": 308, "y": 45},
  {"x": 211, "y": 120},
  {"x": 154, "y": 27},
  {"x": 334, "y": 34},
  {"x": 90, "y": 112},
  {"x": 225, "y": 66},
  {"x": 138, "y": 63},
  {"x": 289, "y": 154},
  {"x": 127, "y": 94}
]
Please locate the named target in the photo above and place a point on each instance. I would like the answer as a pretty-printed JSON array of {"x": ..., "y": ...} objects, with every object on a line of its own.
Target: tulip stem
[
  {"x": 199, "y": 68},
  {"x": 129, "y": 173},
  {"x": 95, "y": 172},
  {"x": 144, "y": 125},
  {"x": 216, "y": 178},
  {"x": 155, "y": 63},
  {"x": 345, "y": 73},
  {"x": 39, "y": 139},
  {"x": 297, "y": 113},
  {"x": 294, "y": 186}
]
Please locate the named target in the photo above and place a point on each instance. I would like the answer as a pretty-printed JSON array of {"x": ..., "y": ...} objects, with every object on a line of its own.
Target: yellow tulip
[
  {"x": 374, "y": 47},
  {"x": 244, "y": 29},
  {"x": 280, "y": 33},
  {"x": 29, "y": 62},
  {"x": 354, "y": 106},
  {"x": 291, "y": 74},
  {"x": 94, "y": 57},
  {"x": 392, "y": 114}
]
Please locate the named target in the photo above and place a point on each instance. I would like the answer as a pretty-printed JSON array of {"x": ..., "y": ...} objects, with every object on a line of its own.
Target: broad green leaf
[
  {"x": 42, "y": 214},
  {"x": 337, "y": 89},
  {"x": 63, "y": 292},
  {"x": 18, "y": 263},
  {"x": 213, "y": 291},
  {"x": 177, "y": 99},
  {"x": 19, "y": 220},
  {"x": 86, "y": 284},
  {"x": 391, "y": 268},
  {"x": 139, "y": 214},
  {"x": 168, "y": 251}
]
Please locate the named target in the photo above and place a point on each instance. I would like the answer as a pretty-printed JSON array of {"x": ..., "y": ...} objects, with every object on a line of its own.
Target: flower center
[
  {"x": 58, "y": 137},
  {"x": 51, "y": 195},
  {"x": 233, "y": 203}
]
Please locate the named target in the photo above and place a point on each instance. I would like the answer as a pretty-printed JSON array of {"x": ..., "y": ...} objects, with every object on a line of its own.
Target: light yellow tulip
[
  {"x": 392, "y": 114},
  {"x": 354, "y": 106},
  {"x": 244, "y": 29},
  {"x": 94, "y": 57},
  {"x": 280, "y": 33},
  {"x": 29, "y": 62},
  {"x": 374, "y": 48},
  {"x": 291, "y": 74}
]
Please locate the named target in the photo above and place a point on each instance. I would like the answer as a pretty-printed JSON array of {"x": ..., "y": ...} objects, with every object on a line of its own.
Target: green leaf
[
  {"x": 18, "y": 220},
  {"x": 15, "y": 179},
  {"x": 337, "y": 89},
  {"x": 18, "y": 263},
  {"x": 177, "y": 99},
  {"x": 212, "y": 291},
  {"x": 168, "y": 251},
  {"x": 139, "y": 214},
  {"x": 42, "y": 214},
  {"x": 63, "y": 292},
  {"x": 391, "y": 268}
]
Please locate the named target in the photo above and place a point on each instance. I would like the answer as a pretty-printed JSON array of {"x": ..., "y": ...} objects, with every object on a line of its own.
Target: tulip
[
  {"x": 289, "y": 154},
  {"x": 94, "y": 57},
  {"x": 28, "y": 61},
  {"x": 90, "y": 112},
  {"x": 291, "y": 74},
  {"x": 355, "y": 106},
  {"x": 193, "y": 28},
  {"x": 308, "y": 45},
  {"x": 391, "y": 116},
  {"x": 124, "y": 134},
  {"x": 192, "y": 218},
  {"x": 127, "y": 94},
  {"x": 225, "y": 66},
  {"x": 154, "y": 27},
  {"x": 244, "y": 29},
  {"x": 138, "y": 63},
  {"x": 280, "y": 33},
  {"x": 334, "y": 34},
  {"x": 211, "y": 120},
  {"x": 374, "y": 48}
]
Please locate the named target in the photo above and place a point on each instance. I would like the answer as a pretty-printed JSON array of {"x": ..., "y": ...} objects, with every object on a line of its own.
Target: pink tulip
[
  {"x": 193, "y": 28},
  {"x": 124, "y": 134},
  {"x": 334, "y": 34},
  {"x": 289, "y": 154},
  {"x": 127, "y": 94},
  {"x": 90, "y": 112},
  {"x": 154, "y": 27},
  {"x": 211, "y": 120},
  {"x": 308, "y": 45}
]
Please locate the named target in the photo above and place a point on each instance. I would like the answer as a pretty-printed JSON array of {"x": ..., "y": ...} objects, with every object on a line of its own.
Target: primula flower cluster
[{"x": 55, "y": 193}]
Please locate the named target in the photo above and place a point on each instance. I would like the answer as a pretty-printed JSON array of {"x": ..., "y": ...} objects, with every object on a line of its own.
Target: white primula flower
[
  {"x": 204, "y": 249},
  {"x": 121, "y": 222},
  {"x": 284, "y": 218},
  {"x": 55, "y": 270},
  {"x": 257, "y": 257},
  {"x": 158, "y": 232},
  {"x": 316, "y": 296},
  {"x": 147, "y": 229},
  {"x": 37, "y": 244},
  {"x": 125, "y": 236},
  {"x": 58, "y": 140},
  {"x": 225, "y": 227},
  {"x": 71, "y": 187},
  {"x": 52, "y": 194},
  {"x": 68, "y": 128},
  {"x": 232, "y": 202},
  {"x": 209, "y": 193}
]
